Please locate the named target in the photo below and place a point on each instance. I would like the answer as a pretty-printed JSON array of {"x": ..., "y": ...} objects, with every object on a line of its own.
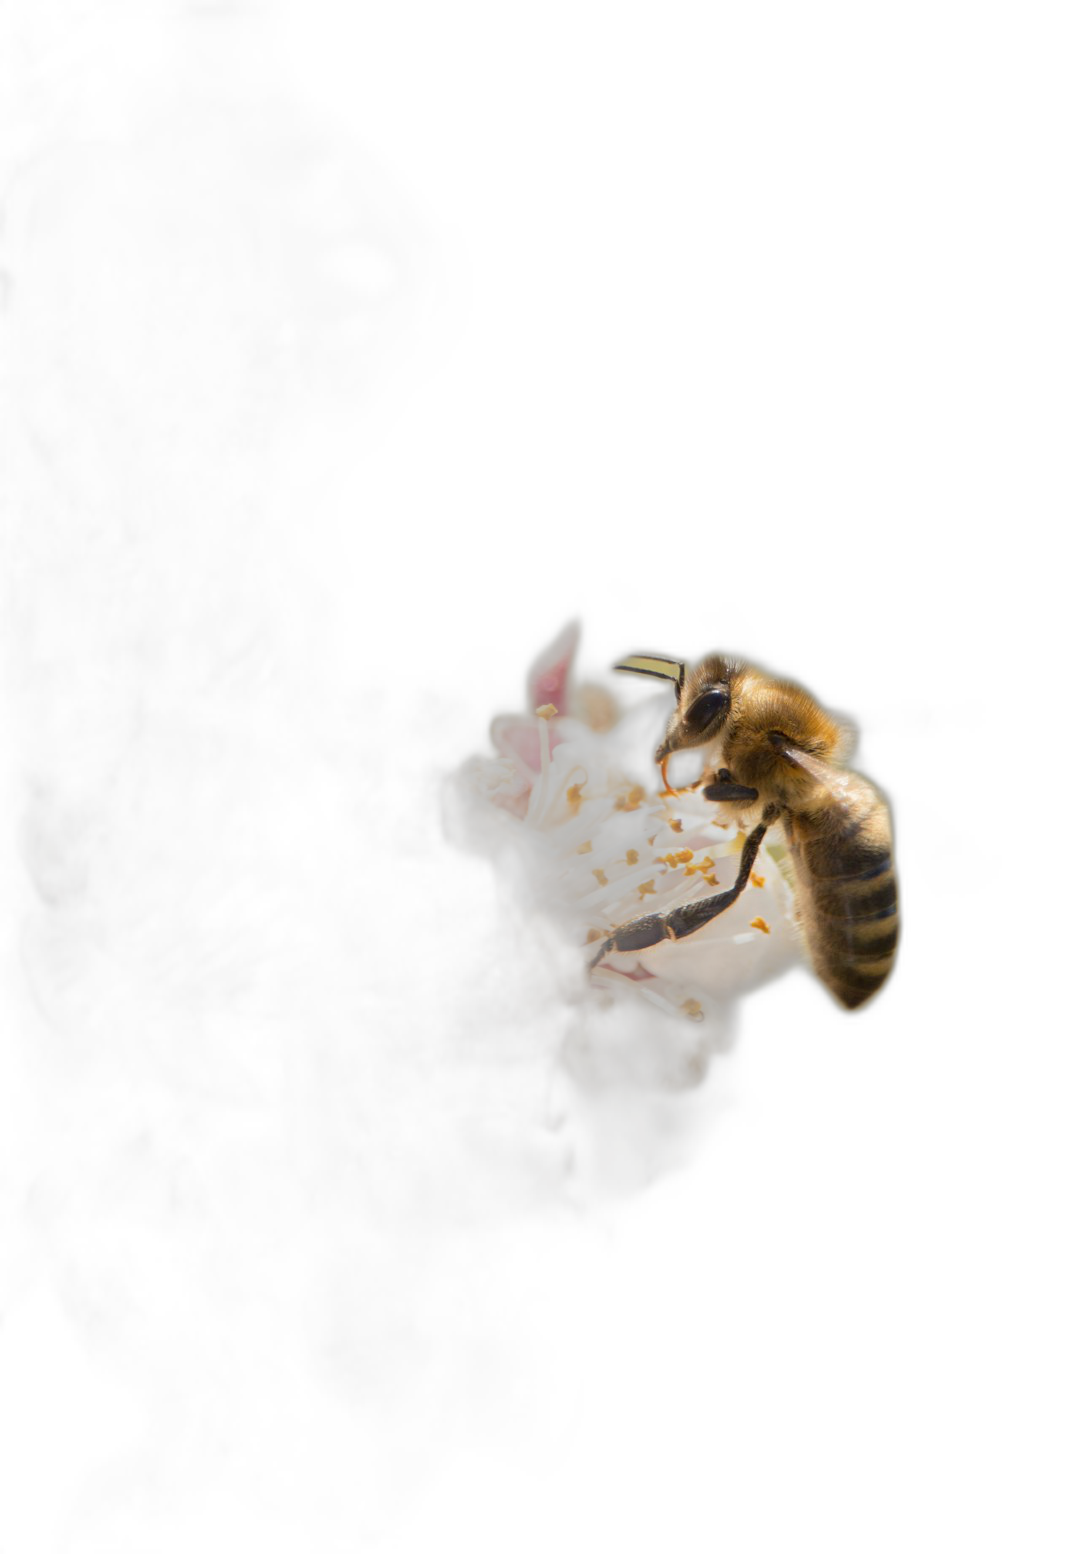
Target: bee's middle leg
[{"x": 641, "y": 932}]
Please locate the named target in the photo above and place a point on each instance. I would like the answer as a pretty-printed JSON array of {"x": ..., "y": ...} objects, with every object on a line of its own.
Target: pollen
[
  {"x": 647, "y": 888},
  {"x": 631, "y": 856},
  {"x": 573, "y": 796},
  {"x": 594, "y": 934},
  {"x": 547, "y": 711},
  {"x": 758, "y": 880},
  {"x": 759, "y": 922},
  {"x": 691, "y": 1008},
  {"x": 676, "y": 824},
  {"x": 674, "y": 859},
  {"x": 601, "y": 877},
  {"x": 631, "y": 800},
  {"x": 585, "y": 847},
  {"x": 703, "y": 867}
]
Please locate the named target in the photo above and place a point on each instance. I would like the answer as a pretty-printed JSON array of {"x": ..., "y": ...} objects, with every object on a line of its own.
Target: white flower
[{"x": 580, "y": 835}]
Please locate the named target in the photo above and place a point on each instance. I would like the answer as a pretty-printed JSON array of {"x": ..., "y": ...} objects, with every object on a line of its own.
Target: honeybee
[{"x": 775, "y": 755}]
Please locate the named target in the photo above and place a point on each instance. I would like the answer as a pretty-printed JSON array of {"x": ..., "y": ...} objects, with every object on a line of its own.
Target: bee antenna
[
  {"x": 633, "y": 668},
  {"x": 656, "y": 665}
]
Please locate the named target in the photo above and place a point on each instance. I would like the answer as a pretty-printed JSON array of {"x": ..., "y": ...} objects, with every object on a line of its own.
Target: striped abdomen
[{"x": 846, "y": 890}]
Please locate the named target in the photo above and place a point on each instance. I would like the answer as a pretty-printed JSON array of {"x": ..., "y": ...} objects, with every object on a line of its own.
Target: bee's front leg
[
  {"x": 722, "y": 788},
  {"x": 641, "y": 932}
]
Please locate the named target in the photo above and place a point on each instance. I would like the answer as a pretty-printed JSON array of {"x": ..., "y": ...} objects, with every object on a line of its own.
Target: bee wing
[
  {"x": 796, "y": 757},
  {"x": 849, "y": 737},
  {"x": 834, "y": 779}
]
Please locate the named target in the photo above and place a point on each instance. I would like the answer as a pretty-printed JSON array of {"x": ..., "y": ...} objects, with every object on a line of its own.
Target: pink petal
[
  {"x": 547, "y": 680},
  {"x": 639, "y": 974}
]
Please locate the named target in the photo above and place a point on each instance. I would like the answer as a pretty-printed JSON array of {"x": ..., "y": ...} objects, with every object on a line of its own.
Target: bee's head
[{"x": 702, "y": 698}]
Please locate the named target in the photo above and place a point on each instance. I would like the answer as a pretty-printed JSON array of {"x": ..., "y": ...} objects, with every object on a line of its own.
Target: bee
[{"x": 775, "y": 755}]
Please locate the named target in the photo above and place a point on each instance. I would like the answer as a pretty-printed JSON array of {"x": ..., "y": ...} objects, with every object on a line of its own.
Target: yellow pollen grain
[
  {"x": 573, "y": 796},
  {"x": 691, "y": 1008},
  {"x": 647, "y": 889},
  {"x": 759, "y": 922},
  {"x": 631, "y": 800},
  {"x": 585, "y": 847},
  {"x": 594, "y": 934},
  {"x": 757, "y": 879},
  {"x": 676, "y": 824},
  {"x": 601, "y": 877},
  {"x": 631, "y": 856},
  {"x": 703, "y": 867},
  {"x": 710, "y": 879},
  {"x": 547, "y": 711}
]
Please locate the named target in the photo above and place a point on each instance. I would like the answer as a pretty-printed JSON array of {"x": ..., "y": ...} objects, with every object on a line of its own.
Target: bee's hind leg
[{"x": 641, "y": 932}]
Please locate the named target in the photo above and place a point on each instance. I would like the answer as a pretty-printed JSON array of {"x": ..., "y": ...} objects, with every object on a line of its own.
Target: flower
[{"x": 572, "y": 797}]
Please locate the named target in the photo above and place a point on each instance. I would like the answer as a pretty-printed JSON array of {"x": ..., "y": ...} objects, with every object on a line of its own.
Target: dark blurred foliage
[{"x": 341, "y": 367}]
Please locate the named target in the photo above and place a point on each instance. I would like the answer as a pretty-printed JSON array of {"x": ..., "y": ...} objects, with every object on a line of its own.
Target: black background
[{"x": 701, "y": 361}]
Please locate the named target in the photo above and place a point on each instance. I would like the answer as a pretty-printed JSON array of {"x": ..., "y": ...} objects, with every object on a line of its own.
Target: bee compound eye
[{"x": 706, "y": 709}]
